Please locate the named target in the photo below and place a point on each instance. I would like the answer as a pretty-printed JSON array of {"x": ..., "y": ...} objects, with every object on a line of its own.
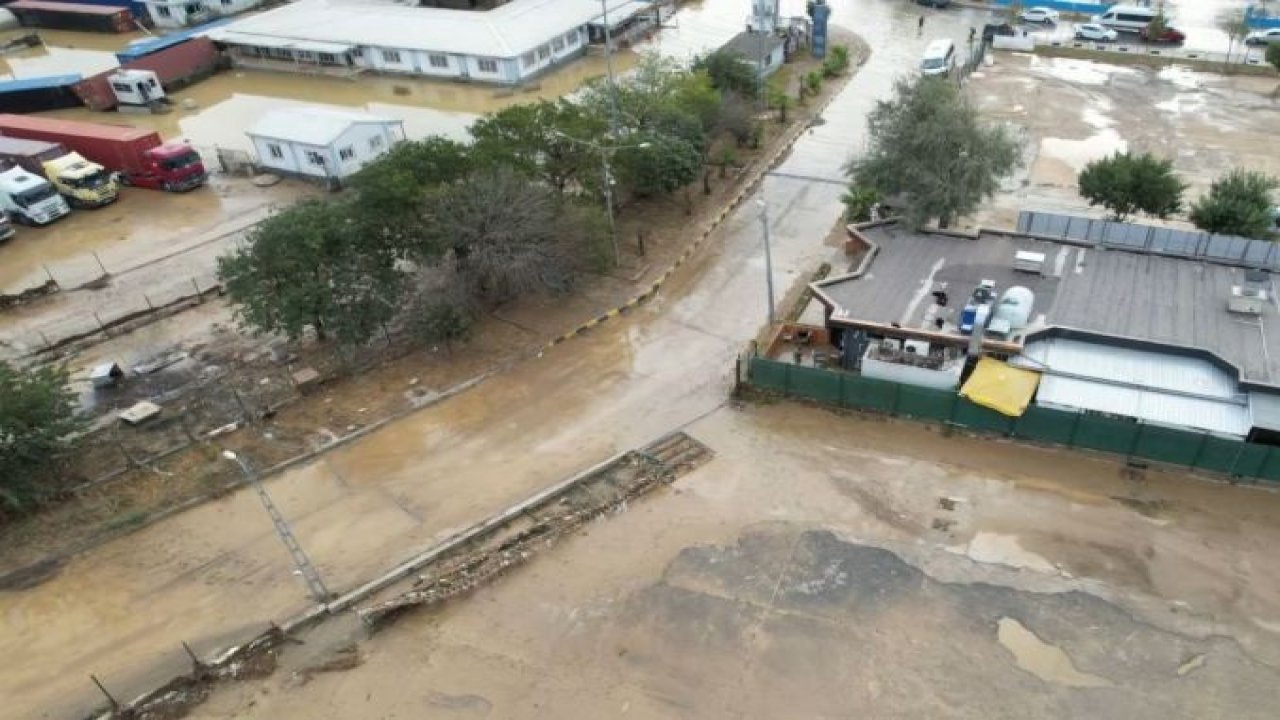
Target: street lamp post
[
  {"x": 768, "y": 256},
  {"x": 300, "y": 560}
]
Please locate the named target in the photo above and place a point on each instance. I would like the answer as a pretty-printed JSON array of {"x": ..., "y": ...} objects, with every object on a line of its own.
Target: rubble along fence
[{"x": 1130, "y": 438}]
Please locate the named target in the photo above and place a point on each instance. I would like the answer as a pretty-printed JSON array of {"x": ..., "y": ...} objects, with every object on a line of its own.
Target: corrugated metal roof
[
  {"x": 1150, "y": 386},
  {"x": 1265, "y": 409},
  {"x": 311, "y": 125},
  {"x": 39, "y": 83},
  {"x": 507, "y": 31},
  {"x": 238, "y": 38}
]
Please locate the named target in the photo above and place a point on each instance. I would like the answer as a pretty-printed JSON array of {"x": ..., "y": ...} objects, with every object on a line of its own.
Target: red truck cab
[{"x": 173, "y": 166}]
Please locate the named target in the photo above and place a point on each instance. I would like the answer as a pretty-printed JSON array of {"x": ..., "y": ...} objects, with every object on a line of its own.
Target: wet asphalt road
[{"x": 217, "y": 573}]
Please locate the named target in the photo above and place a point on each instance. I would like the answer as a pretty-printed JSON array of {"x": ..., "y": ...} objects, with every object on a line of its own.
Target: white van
[
  {"x": 1126, "y": 18},
  {"x": 29, "y": 198},
  {"x": 939, "y": 58}
]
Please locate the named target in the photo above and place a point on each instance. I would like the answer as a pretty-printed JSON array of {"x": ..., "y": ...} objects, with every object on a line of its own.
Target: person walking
[{"x": 920, "y": 26}]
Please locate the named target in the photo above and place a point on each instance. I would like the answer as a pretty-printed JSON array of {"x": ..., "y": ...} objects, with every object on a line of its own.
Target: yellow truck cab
[{"x": 83, "y": 183}]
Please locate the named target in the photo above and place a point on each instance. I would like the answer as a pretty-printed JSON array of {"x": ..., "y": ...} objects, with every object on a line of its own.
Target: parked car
[
  {"x": 934, "y": 3},
  {"x": 1168, "y": 35},
  {"x": 1263, "y": 37},
  {"x": 991, "y": 30},
  {"x": 1096, "y": 33},
  {"x": 1039, "y": 15}
]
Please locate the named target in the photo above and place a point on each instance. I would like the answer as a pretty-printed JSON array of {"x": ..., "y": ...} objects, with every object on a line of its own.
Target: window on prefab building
[
  {"x": 557, "y": 44},
  {"x": 544, "y": 52},
  {"x": 346, "y": 153},
  {"x": 375, "y": 142},
  {"x": 439, "y": 61},
  {"x": 392, "y": 56},
  {"x": 274, "y": 151},
  {"x": 315, "y": 158},
  {"x": 487, "y": 65},
  {"x": 122, "y": 87},
  {"x": 527, "y": 59},
  {"x": 328, "y": 58},
  {"x": 163, "y": 10},
  {"x": 193, "y": 9},
  {"x": 571, "y": 38}
]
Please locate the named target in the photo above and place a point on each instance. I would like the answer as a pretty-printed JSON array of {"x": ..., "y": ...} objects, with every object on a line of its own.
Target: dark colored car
[
  {"x": 1169, "y": 36},
  {"x": 934, "y": 3},
  {"x": 990, "y": 31}
]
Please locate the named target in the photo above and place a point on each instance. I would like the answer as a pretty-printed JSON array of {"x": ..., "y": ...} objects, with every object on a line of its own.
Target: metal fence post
[
  {"x": 1075, "y": 428},
  {"x": 1195, "y": 459}
]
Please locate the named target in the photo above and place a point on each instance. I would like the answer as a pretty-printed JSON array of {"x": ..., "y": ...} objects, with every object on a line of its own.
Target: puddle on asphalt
[
  {"x": 1078, "y": 153},
  {"x": 1001, "y": 549},
  {"x": 1080, "y": 72},
  {"x": 1045, "y": 661}
]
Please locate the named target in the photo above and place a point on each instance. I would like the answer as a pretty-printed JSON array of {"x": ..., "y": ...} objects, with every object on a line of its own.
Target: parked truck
[
  {"x": 84, "y": 184},
  {"x": 139, "y": 156},
  {"x": 29, "y": 198}
]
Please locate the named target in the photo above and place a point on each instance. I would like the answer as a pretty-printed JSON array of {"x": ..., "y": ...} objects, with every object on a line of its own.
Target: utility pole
[
  {"x": 300, "y": 560},
  {"x": 768, "y": 255},
  {"x": 608, "y": 202},
  {"x": 613, "y": 86}
]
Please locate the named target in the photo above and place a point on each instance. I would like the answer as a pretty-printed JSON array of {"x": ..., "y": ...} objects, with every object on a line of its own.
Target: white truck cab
[{"x": 29, "y": 198}]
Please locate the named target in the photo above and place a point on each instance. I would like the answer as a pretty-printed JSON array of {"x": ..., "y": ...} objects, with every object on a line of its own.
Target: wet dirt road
[
  {"x": 824, "y": 567},
  {"x": 217, "y": 573}
]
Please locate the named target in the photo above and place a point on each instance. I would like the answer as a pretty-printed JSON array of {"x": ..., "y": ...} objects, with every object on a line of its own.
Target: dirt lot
[
  {"x": 375, "y": 382},
  {"x": 1075, "y": 111},
  {"x": 827, "y": 566}
]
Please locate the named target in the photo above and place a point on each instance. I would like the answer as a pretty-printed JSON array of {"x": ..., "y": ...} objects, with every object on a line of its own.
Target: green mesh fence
[{"x": 1095, "y": 432}]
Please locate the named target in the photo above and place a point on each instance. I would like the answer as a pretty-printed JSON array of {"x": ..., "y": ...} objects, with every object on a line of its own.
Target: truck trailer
[
  {"x": 83, "y": 183},
  {"x": 139, "y": 156}
]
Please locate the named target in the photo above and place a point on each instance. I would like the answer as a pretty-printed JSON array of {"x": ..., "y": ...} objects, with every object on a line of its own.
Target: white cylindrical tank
[{"x": 1014, "y": 307}]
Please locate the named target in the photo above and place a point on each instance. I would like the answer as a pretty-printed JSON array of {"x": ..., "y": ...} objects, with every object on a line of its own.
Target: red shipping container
[
  {"x": 115, "y": 147},
  {"x": 176, "y": 67}
]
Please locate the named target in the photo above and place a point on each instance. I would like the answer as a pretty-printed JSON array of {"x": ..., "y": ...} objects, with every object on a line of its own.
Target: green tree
[
  {"x": 1158, "y": 25},
  {"x": 1239, "y": 203},
  {"x": 730, "y": 72},
  {"x": 665, "y": 165},
  {"x": 1235, "y": 25},
  {"x": 547, "y": 140},
  {"x": 858, "y": 202},
  {"x": 1273, "y": 55},
  {"x": 510, "y": 236},
  {"x": 310, "y": 266},
  {"x": 837, "y": 61},
  {"x": 389, "y": 190},
  {"x": 37, "y": 420},
  {"x": 928, "y": 144},
  {"x": 1125, "y": 184}
]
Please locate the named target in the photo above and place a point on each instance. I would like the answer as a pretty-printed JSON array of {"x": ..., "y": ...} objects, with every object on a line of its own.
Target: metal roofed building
[
  {"x": 765, "y": 52},
  {"x": 1160, "y": 339},
  {"x": 506, "y": 45},
  {"x": 321, "y": 143}
]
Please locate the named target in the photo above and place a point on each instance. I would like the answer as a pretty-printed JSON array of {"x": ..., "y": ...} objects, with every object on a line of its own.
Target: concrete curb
[{"x": 747, "y": 189}]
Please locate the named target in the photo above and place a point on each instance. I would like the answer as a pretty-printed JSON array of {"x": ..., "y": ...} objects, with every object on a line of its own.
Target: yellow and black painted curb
[{"x": 747, "y": 189}]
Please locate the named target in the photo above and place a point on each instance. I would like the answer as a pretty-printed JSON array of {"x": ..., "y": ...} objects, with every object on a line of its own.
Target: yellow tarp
[{"x": 1001, "y": 387}]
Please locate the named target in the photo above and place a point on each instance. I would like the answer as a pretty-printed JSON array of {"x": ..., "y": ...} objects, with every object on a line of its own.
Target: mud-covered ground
[
  {"x": 826, "y": 566},
  {"x": 1074, "y": 111}
]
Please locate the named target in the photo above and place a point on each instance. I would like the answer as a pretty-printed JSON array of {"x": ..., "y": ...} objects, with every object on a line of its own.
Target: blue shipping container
[{"x": 143, "y": 48}]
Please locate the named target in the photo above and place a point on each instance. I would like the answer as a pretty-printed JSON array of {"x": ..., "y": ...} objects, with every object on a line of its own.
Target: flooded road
[{"x": 121, "y": 610}]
